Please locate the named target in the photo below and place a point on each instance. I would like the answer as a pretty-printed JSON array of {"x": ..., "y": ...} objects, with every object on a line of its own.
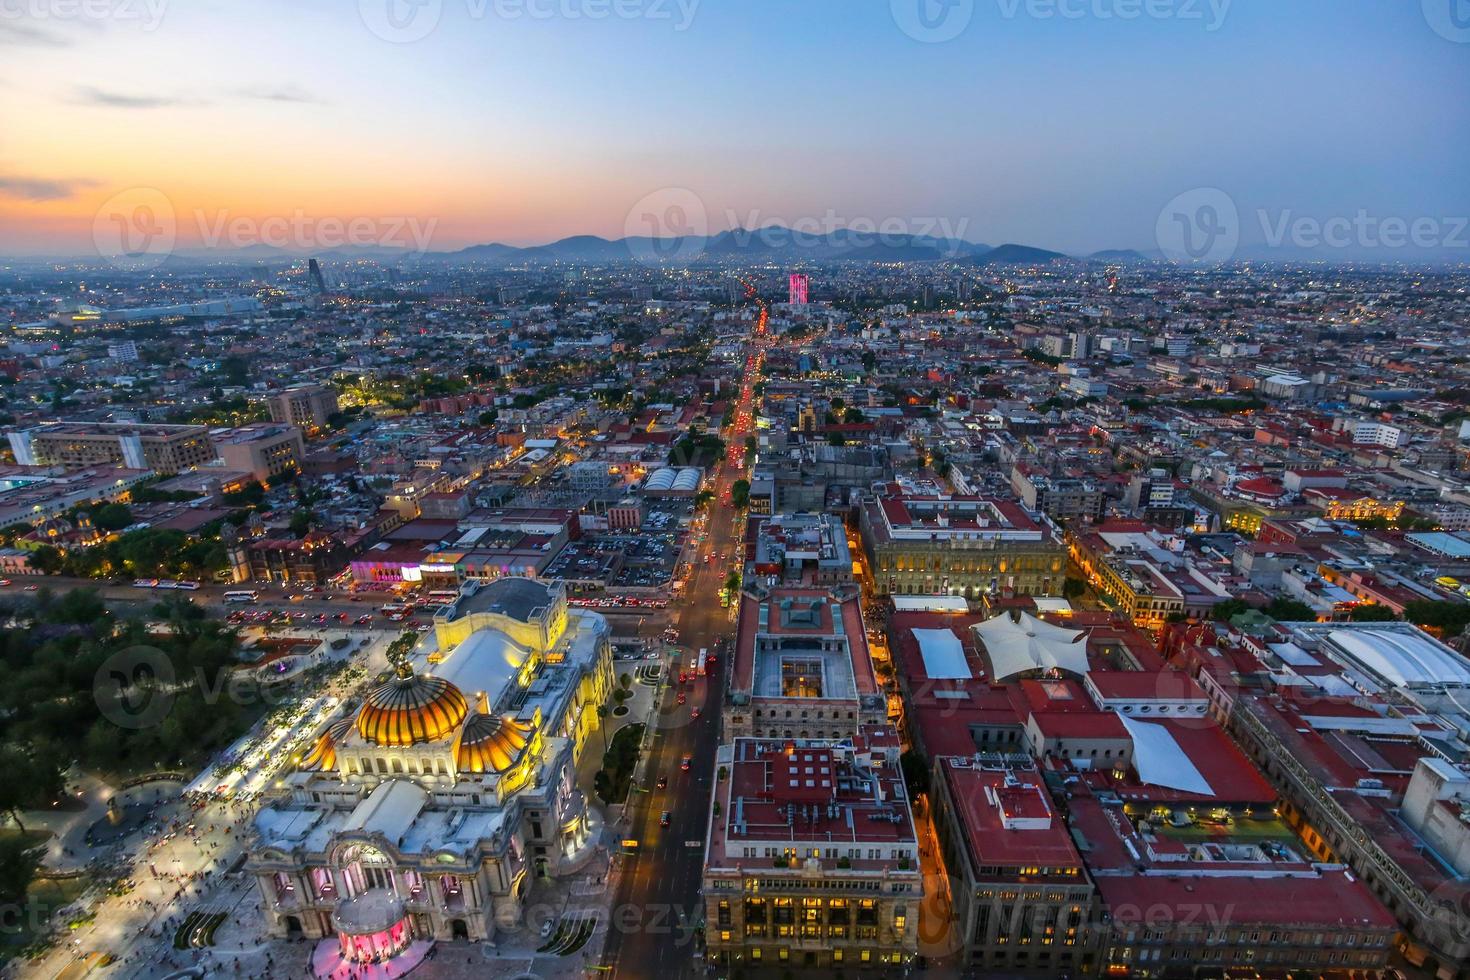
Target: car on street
[
  {"x": 684, "y": 765},
  {"x": 663, "y": 782},
  {"x": 664, "y": 818}
]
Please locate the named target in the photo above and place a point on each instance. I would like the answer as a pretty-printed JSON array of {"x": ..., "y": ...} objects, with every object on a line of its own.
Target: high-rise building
[
  {"x": 305, "y": 406},
  {"x": 165, "y": 449},
  {"x": 264, "y": 450},
  {"x": 314, "y": 269},
  {"x": 800, "y": 288}
]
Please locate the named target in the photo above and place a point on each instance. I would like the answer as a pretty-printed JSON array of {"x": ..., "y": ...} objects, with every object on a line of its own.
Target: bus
[
  {"x": 244, "y": 595},
  {"x": 396, "y": 612},
  {"x": 443, "y": 598}
]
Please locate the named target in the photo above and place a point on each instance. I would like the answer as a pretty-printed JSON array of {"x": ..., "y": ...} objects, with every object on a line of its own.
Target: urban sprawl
[{"x": 564, "y": 618}]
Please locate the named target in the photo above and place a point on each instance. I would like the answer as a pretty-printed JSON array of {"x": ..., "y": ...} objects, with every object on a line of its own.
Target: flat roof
[
  {"x": 944, "y": 656},
  {"x": 983, "y": 798}
]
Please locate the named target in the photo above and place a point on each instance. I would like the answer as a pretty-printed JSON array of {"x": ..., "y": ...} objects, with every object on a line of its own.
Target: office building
[{"x": 165, "y": 449}]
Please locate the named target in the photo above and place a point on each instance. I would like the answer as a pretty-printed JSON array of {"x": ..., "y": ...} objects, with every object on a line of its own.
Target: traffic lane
[
  {"x": 665, "y": 874},
  {"x": 666, "y": 880}
]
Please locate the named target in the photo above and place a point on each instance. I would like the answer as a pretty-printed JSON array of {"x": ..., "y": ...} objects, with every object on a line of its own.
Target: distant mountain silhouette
[
  {"x": 492, "y": 251},
  {"x": 769, "y": 242},
  {"x": 773, "y": 242},
  {"x": 1012, "y": 254}
]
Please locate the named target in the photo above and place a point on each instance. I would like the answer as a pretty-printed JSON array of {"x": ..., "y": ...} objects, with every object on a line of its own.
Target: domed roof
[
  {"x": 491, "y": 744},
  {"x": 323, "y": 755},
  {"x": 411, "y": 708}
]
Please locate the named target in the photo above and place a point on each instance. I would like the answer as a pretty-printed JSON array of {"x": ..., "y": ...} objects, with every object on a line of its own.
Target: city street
[{"x": 657, "y": 904}]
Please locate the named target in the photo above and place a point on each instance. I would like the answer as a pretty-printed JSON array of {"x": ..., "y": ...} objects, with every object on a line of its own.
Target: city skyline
[{"x": 1062, "y": 126}]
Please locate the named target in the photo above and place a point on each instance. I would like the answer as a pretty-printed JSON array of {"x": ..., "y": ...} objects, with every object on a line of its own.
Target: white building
[{"x": 427, "y": 811}]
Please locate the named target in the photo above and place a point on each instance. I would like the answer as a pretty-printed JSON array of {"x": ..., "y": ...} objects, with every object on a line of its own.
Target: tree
[
  {"x": 740, "y": 493},
  {"x": 47, "y": 560},
  {"x": 1290, "y": 611},
  {"x": 1450, "y": 618},
  {"x": 1372, "y": 612},
  {"x": 236, "y": 371},
  {"x": 1228, "y": 610},
  {"x": 18, "y": 864},
  {"x": 32, "y": 779},
  {"x": 112, "y": 517},
  {"x": 301, "y": 522},
  {"x": 853, "y": 417},
  {"x": 1073, "y": 587}
]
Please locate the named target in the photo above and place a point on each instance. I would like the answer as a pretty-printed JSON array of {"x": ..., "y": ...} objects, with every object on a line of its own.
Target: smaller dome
[
  {"x": 323, "y": 755},
  {"x": 491, "y": 744}
]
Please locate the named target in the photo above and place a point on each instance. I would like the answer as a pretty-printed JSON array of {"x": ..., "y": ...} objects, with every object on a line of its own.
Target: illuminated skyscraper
[{"x": 800, "y": 288}]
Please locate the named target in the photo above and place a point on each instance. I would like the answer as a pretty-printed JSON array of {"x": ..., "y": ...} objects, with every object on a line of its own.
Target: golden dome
[
  {"x": 491, "y": 744},
  {"x": 323, "y": 755},
  {"x": 410, "y": 709}
]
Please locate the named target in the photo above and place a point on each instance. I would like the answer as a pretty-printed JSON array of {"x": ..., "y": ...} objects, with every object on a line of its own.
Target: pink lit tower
[{"x": 800, "y": 288}]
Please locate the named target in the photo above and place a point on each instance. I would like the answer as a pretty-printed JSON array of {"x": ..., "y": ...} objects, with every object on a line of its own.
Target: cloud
[
  {"x": 40, "y": 188},
  {"x": 288, "y": 94},
  {"x": 29, "y": 35},
  {"x": 87, "y": 95}
]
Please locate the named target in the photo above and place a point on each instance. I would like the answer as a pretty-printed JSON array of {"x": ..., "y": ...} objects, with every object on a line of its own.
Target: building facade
[
  {"x": 164, "y": 449},
  {"x": 812, "y": 858},
  {"x": 264, "y": 451},
  {"x": 305, "y": 406},
  {"x": 959, "y": 545},
  {"x": 1023, "y": 901},
  {"x": 427, "y": 811}
]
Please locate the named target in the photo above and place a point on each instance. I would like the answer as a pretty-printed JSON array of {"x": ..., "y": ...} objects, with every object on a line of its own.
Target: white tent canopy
[
  {"x": 944, "y": 656},
  {"x": 930, "y": 603},
  {"x": 1160, "y": 761},
  {"x": 1030, "y": 644}
]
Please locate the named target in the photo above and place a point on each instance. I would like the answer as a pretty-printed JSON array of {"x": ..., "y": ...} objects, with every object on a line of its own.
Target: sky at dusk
[{"x": 1065, "y": 125}]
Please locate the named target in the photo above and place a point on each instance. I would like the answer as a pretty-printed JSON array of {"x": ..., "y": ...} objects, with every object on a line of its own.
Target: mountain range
[{"x": 772, "y": 242}]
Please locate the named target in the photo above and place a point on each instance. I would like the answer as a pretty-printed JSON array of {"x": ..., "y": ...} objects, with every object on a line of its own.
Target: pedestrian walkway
[{"x": 327, "y": 963}]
